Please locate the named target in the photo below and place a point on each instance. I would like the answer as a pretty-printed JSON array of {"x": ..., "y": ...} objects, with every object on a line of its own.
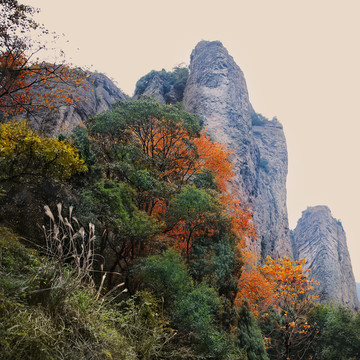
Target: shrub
[{"x": 166, "y": 276}]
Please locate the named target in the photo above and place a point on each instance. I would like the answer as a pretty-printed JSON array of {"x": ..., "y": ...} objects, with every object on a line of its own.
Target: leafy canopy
[{"x": 26, "y": 156}]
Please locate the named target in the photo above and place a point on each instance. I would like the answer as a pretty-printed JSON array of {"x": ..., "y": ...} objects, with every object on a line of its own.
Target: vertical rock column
[{"x": 217, "y": 91}]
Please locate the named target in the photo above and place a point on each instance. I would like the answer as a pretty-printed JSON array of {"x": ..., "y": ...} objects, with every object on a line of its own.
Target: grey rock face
[
  {"x": 216, "y": 90},
  {"x": 270, "y": 202},
  {"x": 321, "y": 240},
  {"x": 155, "y": 89},
  {"x": 97, "y": 97}
]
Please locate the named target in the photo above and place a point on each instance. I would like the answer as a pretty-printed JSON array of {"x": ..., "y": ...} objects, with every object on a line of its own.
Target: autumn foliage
[
  {"x": 27, "y": 84},
  {"x": 283, "y": 286},
  {"x": 254, "y": 285},
  {"x": 26, "y": 156},
  {"x": 169, "y": 153}
]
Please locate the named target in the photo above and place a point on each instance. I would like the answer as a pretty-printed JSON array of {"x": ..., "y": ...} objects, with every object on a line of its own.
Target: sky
[{"x": 301, "y": 61}]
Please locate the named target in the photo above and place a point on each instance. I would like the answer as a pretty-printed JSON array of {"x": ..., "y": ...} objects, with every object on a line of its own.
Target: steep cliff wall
[
  {"x": 270, "y": 202},
  {"x": 216, "y": 90},
  {"x": 321, "y": 240},
  {"x": 97, "y": 97}
]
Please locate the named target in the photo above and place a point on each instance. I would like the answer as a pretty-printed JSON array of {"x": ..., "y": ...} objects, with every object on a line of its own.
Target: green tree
[
  {"x": 338, "y": 333},
  {"x": 126, "y": 230},
  {"x": 249, "y": 335},
  {"x": 192, "y": 213}
]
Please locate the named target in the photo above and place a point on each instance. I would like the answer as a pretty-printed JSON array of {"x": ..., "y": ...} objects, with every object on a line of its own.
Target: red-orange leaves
[
  {"x": 253, "y": 284},
  {"x": 281, "y": 283},
  {"x": 28, "y": 86},
  {"x": 214, "y": 157}
]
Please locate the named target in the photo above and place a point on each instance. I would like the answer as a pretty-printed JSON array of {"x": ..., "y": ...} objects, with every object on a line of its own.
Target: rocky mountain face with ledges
[
  {"x": 98, "y": 93},
  {"x": 270, "y": 203},
  {"x": 321, "y": 240}
]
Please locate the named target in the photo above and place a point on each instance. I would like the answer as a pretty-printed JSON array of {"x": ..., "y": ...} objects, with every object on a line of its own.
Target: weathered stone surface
[
  {"x": 216, "y": 90},
  {"x": 155, "y": 89},
  {"x": 321, "y": 240},
  {"x": 270, "y": 202},
  {"x": 97, "y": 97}
]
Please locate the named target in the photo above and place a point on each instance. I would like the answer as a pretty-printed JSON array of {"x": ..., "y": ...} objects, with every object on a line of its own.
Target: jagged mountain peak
[{"x": 321, "y": 240}]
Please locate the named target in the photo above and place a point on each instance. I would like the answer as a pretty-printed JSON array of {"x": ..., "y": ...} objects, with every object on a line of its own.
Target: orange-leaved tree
[
  {"x": 27, "y": 84},
  {"x": 254, "y": 285},
  {"x": 293, "y": 296}
]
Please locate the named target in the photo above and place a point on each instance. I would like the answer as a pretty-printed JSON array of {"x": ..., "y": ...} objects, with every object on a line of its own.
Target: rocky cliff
[
  {"x": 321, "y": 240},
  {"x": 216, "y": 90},
  {"x": 99, "y": 94},
  {"x": 270, "y": 202}
]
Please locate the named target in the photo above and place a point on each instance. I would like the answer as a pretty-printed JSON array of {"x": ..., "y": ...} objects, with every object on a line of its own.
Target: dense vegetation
[
  {"x": 121, "y": 240},
  {"x": 171, "y": 84}
]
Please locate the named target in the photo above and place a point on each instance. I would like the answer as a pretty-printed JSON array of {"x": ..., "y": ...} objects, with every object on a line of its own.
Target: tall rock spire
[
  {"x": 217, "y": 91},
  {"x": 321, "y": 240}
]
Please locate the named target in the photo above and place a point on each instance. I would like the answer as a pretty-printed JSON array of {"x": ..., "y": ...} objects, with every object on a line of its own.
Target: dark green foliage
[
  {"x": 81, "y": 141},
  {"x": 112, "y": 203},
  {"x": 194, "y": 309},
  {"x": 215, "y": 263},
  {"x": 339, "y": 333},
  {"x": 116, "y": 122},
  {"x": 166, "y": 276},
  {"x": 196, "y": 312},
  {"x": 172, "y": 83},
  {"x": 270, "y": 328},
  {"x": 249, "y": 335},
  {"x": 190, "y": 204},
  {"x": 205, "y": 180}
]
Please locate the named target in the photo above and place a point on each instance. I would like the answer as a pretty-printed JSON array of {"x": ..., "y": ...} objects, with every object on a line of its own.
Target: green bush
[
  {"x": 339, "y": 333},
  {"x": 196, "y": 312},
  {"x": 165, "y": 275},
  {"x": 249, "y": 335}
]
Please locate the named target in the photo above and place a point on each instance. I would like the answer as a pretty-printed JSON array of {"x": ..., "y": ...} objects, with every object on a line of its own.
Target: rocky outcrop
[
  {"x": 321, "y": 240},
  {"x": 97, "y": 94},
  {"x": 270, "y": 202},
  {"x": 216, "y": 90},
  {"x": 155, "y": 88},
  {"x": 167, "y": 87}
]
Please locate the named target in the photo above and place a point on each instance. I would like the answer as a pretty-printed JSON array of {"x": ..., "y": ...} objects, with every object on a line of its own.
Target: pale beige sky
[{"x": 300, "y": 59}]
